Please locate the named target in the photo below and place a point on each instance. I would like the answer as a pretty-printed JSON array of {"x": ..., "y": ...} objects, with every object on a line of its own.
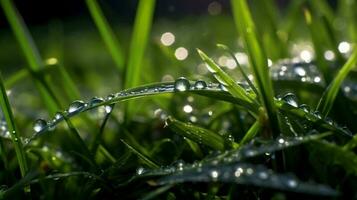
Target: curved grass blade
[
  {"x": 211, "y": 91},
  {"x": 247, "y": 174},
  {"x": 329, "y": 96},
  {"x": 257, "y": 60},
  {"x": 198, "y": 134},
  {"x": 14, "y": 134},
  {"x": 250, "y": 150},
  {"x": 107, "y": 34},
  {"x": 225, "y": 79}
]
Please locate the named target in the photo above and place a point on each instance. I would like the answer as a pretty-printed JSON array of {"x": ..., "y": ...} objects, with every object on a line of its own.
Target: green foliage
[{"x": 247, "y": 134}]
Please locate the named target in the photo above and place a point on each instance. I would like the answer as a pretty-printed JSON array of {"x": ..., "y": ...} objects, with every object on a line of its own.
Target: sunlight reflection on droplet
[
  {"x": 344, "y": 47},
  {"x": 167, "y": 39},
  {"x": 181, "y": 53},
  {"x": 270, "y": 63}
]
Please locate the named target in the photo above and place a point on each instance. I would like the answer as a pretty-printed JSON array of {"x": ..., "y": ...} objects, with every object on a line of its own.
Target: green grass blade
[
  {"x": 252, "y": 132},
  {"x": 257, "y": 59},
  {"x": 106, "y": 33},
  {"x": 31, "y": 53},
  {"x": 8, "y": 115},
  {"x": 198, "y": 134},
  {"x": 329, "y": 96},
  {"x": 139, "y": 41},
  {"x": 224, "y": 79}
]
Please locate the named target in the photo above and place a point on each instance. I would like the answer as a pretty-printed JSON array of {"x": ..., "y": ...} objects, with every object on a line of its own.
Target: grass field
[{"x": 248, "y": 100}]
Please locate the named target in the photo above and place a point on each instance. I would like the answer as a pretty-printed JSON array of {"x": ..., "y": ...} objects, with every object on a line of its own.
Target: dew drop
[
  {"x": 305, "y": 108},
  {"x": 108, "y": 108},
  {"x": 200, "y": 85},
  {"x": 292, "y": 183},
  {"x": 39, "y": 125},
  {"x": 182, "y": 84},
  {"x": 291, "y": 99},
  {"x": 76, "y": 106},
  {"x": 214, "y": 174},
  {"x": 140, "y": 171},
  {"x": 95, "y": 101},
  {"x": 58, "y": 116}
]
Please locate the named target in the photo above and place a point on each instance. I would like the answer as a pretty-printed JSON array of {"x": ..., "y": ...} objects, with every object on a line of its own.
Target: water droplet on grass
[
  {"x": 76, "y": 106},
  {"x": 291, "y": 99},
  {"x": 200, "y": 85},
  {"x": 305, "y": 108},
  {"x": 95, "y": 101},
  {"x": 108, "y": 108},
  {"x": 182, "y": 84},
  {"x": 39, "y": 125}
]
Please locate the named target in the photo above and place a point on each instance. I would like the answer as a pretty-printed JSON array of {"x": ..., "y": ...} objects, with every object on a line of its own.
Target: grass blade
[
  {"x": 32, "y": 55},
  {"x": 106, "y": 33},
  {"x": 247, "y": 174},
  {"x": 138, "y": 45},
  {"x": 225, "y": 79},
  {"x": 257, "y": 60},
  {"x": 252, "y": 132},
  {"x": 6, "y": 109},
  {"x": 198, "y": 134},
  {"x": 329, "y": 96}
]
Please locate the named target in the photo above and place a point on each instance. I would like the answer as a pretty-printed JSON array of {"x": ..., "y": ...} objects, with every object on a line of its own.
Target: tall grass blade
[
  {"x": 257, "y": 60},
  {"x": 107, "y": 34},
  {"x": 32, "y": 55},
  {"x": 8, "y": 115},
  {"x": 329, "y": 96},
  {"x": 139, "y": 40}
]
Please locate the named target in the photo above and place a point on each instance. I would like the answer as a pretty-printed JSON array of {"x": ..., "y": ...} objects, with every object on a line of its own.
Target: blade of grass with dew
[
  {"x": 329, "y": 96},
  {"x": 139, "y": 40},
  {"x": 31, "y": 53},
  {"x": 251, "y": 85},
  {"x": 245, "y": 174},
  {"x": 106, "y": 33},
  {"x": 224, "y": 79},
  {"x": 257, "y": 60},
  {"x": 7, "y": 112},
  {"x": 199, "y": 134}
]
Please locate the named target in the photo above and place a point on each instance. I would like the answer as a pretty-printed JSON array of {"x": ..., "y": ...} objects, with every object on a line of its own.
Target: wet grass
[{"x": 250, "y": 121}]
